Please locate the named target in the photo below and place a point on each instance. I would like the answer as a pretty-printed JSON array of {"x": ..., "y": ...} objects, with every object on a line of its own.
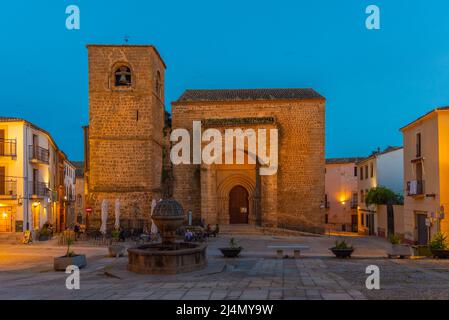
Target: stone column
[{"x": 269, "y": 190}]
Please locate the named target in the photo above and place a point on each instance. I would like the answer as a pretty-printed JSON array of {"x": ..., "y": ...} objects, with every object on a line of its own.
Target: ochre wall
[{"x": 300, "y": 178}]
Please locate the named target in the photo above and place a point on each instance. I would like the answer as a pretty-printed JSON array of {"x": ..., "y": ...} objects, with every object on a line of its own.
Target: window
[
  {"x": 418, "y": 145},
  {"x": 372, "y": 170},
  {"x": 362, "y": 196},
  {"x": 355, "y": 171},
  {"x": 361, "y": 173},
  {"x": 123, "y": 77},
  {"x": 355, "y": 199},
  {"x": 366, "y": 172}
]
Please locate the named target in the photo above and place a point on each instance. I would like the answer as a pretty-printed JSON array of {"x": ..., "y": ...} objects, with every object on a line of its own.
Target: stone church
[{"x": 128, "y": 146}]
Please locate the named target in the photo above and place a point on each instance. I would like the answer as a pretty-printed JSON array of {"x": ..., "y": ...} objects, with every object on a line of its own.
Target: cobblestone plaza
[{"x": 26, "y": 273}]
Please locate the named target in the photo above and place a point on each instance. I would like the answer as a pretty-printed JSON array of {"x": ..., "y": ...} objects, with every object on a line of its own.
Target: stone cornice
[{"x": 238, "y": 121}]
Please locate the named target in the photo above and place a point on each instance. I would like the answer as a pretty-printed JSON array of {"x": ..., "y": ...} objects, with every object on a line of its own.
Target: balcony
[
  {"x": 39, "y": 154},
  {"x": 8, "y": 188},
  {"x": 415, "y": 188},
  {"x": 38, "y": 189}
]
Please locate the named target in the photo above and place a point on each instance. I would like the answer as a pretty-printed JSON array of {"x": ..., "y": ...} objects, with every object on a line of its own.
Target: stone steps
[
  {"x": 10, "y": 238},
  {"x": 256, "y": 230},
  {"x": 238, "y": 229}
]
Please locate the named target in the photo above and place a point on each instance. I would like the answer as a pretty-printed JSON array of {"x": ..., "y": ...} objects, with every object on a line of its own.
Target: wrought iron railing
[
  {"x": 39, "y": 154},
  {"x": 415, "y": 187},
  {"x": 8, "y": 148},
  {"x": 39, "y": 189}
]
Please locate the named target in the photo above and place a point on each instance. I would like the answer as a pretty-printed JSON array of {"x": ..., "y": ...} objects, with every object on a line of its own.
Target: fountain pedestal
[{"x": 168, "y": 257}]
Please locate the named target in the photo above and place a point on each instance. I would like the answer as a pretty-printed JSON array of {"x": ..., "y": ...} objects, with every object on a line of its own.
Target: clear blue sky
[{"x": 374, "y": 81}]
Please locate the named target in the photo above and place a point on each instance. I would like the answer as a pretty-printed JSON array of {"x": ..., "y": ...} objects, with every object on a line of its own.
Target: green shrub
[
  {"x": 342, "y": 245},
  {"x": 70, "y": 253},
  {"x": 439, "y": 241},
  {"x": 395, "y": 239},
  {"x": 233, "y": 243},
  {"x": 382, "y": 195},
  {"x": 115, "y": 234},
  {"x": 44, "y": 232}
]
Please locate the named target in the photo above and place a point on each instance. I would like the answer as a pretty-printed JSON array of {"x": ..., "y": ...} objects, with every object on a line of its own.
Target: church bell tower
[{"x": 124, "y": 139}]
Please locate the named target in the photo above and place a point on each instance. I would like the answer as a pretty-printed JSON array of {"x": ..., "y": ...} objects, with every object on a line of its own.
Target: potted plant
[
  {"x": 342, "y": 250},
  {"x": 44, "y": 234},
  {"x": 116, "y": 250},
  {"x": 233, "y": 250},
  {"x": 439, "y": 246},
  {"x": 70, "y": 258},
  {"x": 397, "y": 248}
]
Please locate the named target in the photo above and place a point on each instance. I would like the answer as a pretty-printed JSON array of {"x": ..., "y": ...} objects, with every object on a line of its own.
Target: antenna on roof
[{"x": 126, "y": 38}]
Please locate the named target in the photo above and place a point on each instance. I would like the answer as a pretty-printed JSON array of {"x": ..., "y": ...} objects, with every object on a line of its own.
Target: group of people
[{"x": 206, "y": 232}]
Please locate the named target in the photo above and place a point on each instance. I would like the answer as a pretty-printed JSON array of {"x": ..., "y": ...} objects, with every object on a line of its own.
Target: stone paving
[{"x": 26, "y": 273}]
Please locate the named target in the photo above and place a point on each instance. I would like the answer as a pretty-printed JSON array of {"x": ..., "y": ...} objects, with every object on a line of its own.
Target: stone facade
[
  {"x": 294, "y": 197},
  {"x": 124, "y": 139},
  {"x": 128, "y": 144}
]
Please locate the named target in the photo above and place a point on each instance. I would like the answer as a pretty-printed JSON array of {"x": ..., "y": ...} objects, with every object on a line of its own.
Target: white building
[
  {"x": 29, "y": 160},
  {"x": 381, "y": 169}
]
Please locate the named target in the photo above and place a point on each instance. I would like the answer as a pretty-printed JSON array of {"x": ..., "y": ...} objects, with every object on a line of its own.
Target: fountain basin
[{"x": 170, "y": 258}]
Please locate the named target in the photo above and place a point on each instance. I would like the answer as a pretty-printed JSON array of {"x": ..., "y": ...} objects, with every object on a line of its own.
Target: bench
[{"x": 296, "y": 250}]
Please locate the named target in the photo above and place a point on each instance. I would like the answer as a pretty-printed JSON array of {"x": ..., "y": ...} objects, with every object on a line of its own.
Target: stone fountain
[{"x": 169, "y": 256}]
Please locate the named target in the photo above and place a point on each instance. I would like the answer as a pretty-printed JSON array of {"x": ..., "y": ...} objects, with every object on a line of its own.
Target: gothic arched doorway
[{"x": 238, "y": 205}]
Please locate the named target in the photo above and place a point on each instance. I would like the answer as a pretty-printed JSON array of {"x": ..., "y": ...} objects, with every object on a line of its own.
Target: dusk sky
[{"x": 375, "y": 81}]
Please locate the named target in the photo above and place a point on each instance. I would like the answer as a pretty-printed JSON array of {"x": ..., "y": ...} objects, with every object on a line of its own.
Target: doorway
[
  {"x": 370, "y": 224},
  {"x": 238, "y": 205},
  {"x": 36, "y": 210},
  {"x": 423, "y": 230},
  {"x": 6, "y": 220},
  {"x": 390, "y": 220}
]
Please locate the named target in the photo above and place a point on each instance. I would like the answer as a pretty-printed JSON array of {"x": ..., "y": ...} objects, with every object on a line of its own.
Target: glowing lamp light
[
  {"x": 35, "y": 204},
  {"x": 4, "y": 215}
]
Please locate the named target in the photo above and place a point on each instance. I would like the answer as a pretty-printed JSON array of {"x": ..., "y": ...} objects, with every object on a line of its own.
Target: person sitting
[
  {"x": 189, "y": 236},
  {"x": 208, "y": 231},
  {"x": 77, "y": 230},
  {"x": 121, "y": 236}
]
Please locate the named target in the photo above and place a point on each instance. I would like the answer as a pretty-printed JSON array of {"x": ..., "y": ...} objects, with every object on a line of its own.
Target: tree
[{"x": 382, "y": 195}]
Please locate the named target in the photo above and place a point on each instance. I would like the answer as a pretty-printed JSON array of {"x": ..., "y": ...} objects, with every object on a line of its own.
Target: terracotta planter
[
  {"x": 116, "y": 251},
  {"x": 440, "y": 253},
  {"x": 231, "y": 252},
  {"x": 61, "y": 263},
  {"x": 342, "y": 253}
]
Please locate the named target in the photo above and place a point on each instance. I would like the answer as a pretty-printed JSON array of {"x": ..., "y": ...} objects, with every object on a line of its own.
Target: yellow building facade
[{"x": 426, "y": 175}]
